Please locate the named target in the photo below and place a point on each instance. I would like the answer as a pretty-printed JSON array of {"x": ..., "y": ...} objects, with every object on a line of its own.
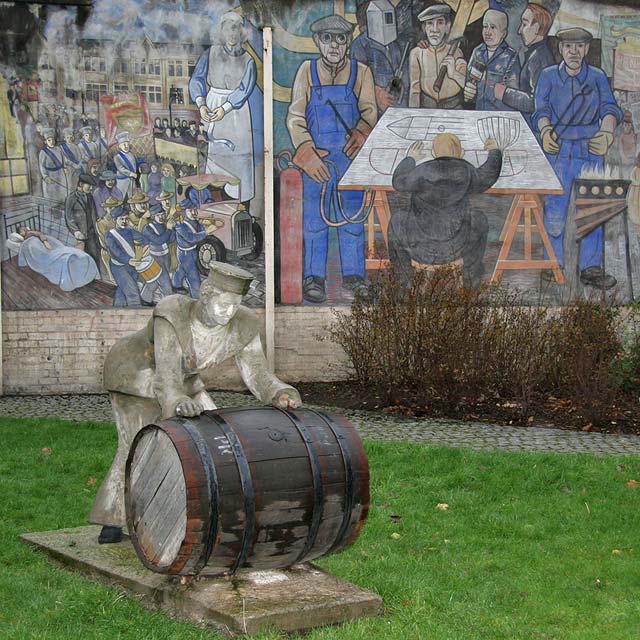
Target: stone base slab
[{"x": 291, "y": 600}]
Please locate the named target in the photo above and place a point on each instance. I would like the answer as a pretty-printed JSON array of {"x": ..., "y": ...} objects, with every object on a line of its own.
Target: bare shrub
[
  {"x": 435, "y": 344},
  {"x": 589, "y": 348}
]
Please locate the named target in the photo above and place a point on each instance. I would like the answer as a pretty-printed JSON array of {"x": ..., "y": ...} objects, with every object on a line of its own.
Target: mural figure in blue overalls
[
  {"x": 576, "y": 115},
  {"x": 333, "y": 109}
]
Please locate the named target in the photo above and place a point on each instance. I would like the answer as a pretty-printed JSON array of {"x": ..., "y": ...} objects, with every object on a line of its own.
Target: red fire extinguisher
[{"x": 291, "y": 199}]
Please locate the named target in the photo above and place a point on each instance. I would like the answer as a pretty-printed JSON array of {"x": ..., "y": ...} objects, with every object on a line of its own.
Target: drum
[{"x": 148, "y": 269}]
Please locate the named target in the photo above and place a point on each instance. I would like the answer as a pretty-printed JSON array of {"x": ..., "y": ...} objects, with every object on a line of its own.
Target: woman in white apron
[{"x": 221, "y": 84}]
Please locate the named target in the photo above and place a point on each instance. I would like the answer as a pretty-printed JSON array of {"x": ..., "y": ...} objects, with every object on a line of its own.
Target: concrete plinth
[{"x": 295, "y": 599}]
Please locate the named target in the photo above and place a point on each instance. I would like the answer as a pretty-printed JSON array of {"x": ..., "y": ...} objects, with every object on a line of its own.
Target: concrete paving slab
[{"x": 296, "y": 599}]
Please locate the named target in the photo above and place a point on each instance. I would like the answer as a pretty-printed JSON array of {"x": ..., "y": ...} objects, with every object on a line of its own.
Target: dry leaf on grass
[
  {"x": 443, "y": 506},
  {"x": 45, "y": 451},
  {"x": 396, "y": 536},
  {"x": 632, "y": 484},
  {"x": 91, "y": 480}
]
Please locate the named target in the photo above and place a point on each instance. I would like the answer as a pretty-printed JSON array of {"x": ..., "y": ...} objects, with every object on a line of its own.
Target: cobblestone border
[{"x": 370, "y": 424}]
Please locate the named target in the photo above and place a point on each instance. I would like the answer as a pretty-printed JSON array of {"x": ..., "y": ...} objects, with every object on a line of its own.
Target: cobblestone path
[{"x": 370, "y": 424}]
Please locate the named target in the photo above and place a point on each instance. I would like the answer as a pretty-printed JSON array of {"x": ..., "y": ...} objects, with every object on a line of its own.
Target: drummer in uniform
[
  {"x": 158, "y": 236},
  {"x": 121, "y": 246},
  {"x": 333, "y": 109},
  {"x": 188, "y": 233}
]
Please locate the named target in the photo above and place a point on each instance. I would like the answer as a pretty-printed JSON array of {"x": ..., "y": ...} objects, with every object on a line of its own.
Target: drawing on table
[
  {"x": 384, "y": 160},
  {"x": 505, "y": 131},
  {"x": 426, "y": 128}
]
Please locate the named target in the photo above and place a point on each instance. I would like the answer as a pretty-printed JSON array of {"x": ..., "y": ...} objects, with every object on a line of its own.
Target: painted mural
[
  {"x": 131, "y": 152},
  {"x": 498, "y": 135}
]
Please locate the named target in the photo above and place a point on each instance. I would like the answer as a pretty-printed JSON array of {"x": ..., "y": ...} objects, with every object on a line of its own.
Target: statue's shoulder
[
  {"x": 247, "y": 324},
  {"x": 173, "y": 307}
]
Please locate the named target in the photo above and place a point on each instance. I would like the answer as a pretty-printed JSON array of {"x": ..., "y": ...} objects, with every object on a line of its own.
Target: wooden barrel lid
[{"x": 158, "y": 498}]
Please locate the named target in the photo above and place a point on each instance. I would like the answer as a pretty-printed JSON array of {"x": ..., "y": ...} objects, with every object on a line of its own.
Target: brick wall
[{"x": 63, "y": 351}]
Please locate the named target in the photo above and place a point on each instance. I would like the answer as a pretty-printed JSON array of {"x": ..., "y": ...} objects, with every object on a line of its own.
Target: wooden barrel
[{"x": 245, "y": 487}]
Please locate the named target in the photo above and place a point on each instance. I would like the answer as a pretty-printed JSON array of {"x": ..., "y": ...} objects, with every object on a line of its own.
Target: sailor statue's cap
[
  {"x": 332, "y": 24},
  {"x": 228, "y": 277}
]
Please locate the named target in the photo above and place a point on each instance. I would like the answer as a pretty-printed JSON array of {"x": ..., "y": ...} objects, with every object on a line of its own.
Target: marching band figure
[
  {"x": 120, "y": 243},
  {"x": 188, "y": 233},
  {"x": 158, "y": 236}
]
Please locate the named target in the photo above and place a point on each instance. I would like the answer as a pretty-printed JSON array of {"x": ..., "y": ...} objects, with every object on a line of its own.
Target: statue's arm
[
  {"x": 263, "y": 384},
  {"x": 169, "y": 378}
]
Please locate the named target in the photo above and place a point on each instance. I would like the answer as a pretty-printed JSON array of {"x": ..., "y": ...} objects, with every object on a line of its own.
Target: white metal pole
[{"x": 269, "y": 248}]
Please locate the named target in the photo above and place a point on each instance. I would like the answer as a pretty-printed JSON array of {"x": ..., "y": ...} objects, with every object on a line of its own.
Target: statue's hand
[
  {"x": 188, "y": 407},
  {"x": 287, "y": 399}
]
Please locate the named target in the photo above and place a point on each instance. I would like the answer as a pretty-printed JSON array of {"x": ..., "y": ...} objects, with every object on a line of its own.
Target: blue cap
[
  {"x": 156, "y": 208},
  {"x": 116, "y": 212}
]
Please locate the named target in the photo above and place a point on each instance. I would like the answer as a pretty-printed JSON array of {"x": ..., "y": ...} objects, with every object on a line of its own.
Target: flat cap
[
  {"x": 84, "y": 130},
  {"x": 435, "y": 11},
  {"x": 123, "y": 136},
  {"x": 87, "y": 178},
  {"x": 156, "y": 208},
  {"x": 228, "y": 277},
  {"x": 67, "y": 132},
  {"x": 575, "y": 34},
  {"x": 332, "y": 24},
  {"x": 107, "y": 174},
  {"x": 48, "y": 133}
]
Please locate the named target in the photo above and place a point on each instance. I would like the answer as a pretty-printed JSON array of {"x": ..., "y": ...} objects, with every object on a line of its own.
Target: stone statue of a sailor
[{"x": 155, "y": 373}]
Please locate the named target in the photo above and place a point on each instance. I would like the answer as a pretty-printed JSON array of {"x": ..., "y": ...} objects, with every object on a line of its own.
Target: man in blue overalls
[
  {"x": 332, "y": 111},
  {"x": 188, "y": 233},
  {"x": 576, "y": 115}
]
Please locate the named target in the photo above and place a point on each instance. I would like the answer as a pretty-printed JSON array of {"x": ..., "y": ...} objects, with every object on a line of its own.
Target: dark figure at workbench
[{"x": 440, "y": 226}]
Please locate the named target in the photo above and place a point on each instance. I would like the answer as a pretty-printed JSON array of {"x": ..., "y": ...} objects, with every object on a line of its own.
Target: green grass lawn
[{"x": 524, "y": 550}]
